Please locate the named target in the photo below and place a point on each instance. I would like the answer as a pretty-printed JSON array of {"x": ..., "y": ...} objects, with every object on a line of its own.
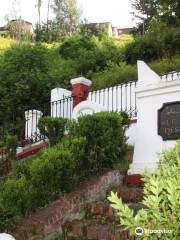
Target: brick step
[
  {"x": 100, "y": 209},
  {"x": 128, "y": 194},
  {"x": 101, "y": 221},
  {"x": 92, "y": 230}
]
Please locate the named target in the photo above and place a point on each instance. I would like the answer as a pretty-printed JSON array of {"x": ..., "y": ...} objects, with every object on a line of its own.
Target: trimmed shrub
[
  {"x": 161, "y": 198},
  {"x": 53, "y": 128},
  {"x": 11, "y": 143},
  {"x": 105, "y": 139},
  {"x": 43, "y": 180},
  {"x": 95, "y": 142}
]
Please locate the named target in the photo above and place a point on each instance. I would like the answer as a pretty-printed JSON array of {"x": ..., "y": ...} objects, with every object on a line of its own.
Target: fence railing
[
  {"x": 119, "y": 98},
  {"x": 62, "y": 108},
  {"x": 24, "y": 122},
  {"x": 170, "y": 76}
]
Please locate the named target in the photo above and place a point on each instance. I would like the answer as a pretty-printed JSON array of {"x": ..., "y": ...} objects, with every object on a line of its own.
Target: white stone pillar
[
  {"x": 151, "y": 94},
  {"x": 58, "y": 105},
  {"x": 32, "y": 118}
]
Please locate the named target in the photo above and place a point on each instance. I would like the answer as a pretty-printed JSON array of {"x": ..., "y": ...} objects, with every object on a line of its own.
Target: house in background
[
  {"x": 111, "y": 30},
  {"x": 122, "y": 31},
  {"x": 27, "y": 27},
  {"x": 3, "y": 32},
  {"x": 16, "y": 27}
]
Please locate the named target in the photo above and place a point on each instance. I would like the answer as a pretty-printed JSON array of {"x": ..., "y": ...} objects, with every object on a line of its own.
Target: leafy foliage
[
  {"x": 43, "y": 180},
  {"x": 105, "y": 139},
  {"x": 164, "y": 10},
  {"x": 112, "y": 75},
  {"x": 93, "y": 144},
  {"x": 67, "y": 17},
  {"x": 24, "y": 69},
  {"x": 161, "y": 198},
  {"x": 53, "y": 128},
  {"x": 11, "y": 145},
  {"x": 90, "y": 54},
  {"x": 160, "y": 41}
]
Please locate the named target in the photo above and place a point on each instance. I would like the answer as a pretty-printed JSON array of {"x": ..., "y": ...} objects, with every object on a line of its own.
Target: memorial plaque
[{"x": 169, "y": 121}]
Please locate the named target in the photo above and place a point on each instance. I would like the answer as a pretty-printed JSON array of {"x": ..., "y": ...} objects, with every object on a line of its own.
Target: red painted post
[{"x": 80, "y": 90}]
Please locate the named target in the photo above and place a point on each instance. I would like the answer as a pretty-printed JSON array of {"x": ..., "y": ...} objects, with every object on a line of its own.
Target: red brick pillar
[{"x": 80, "y": 89}]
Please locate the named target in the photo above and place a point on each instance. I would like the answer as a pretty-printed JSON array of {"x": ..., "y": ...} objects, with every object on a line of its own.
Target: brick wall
[{"x": 47, "y": 222}]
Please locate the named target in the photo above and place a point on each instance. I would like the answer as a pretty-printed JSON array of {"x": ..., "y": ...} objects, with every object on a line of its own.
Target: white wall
[
  {"x": 131, "y": 134},
  {"x": 151, "y": 93}
]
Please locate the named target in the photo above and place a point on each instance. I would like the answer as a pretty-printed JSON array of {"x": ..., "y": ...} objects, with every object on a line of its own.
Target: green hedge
[
  {"x": 105, "y": 139},
  {"x": 95, "y": 142},
  {"x": 53, "y": 128},
  {"x": 43, "y": 180},
  {"x": 9, "y": 143}
]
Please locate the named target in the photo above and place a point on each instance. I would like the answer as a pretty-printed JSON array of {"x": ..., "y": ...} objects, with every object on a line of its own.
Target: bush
[
  {"x": 105, "y": 139},
  {"x": 112, "y": 75},
  {"x": 55, "y": 172},
  {"x": 161, "y": 198},
  {"x": 53, "y": 128},
  {"x": 95, "y": 142},
  {"x": 73, "y": 46},
  {"x": 90, "y": 54},
  {"x": 11, "y": 144},
  {"x": 15, "y": 196},
  {"x": 24, "y": 69},
  {"x": 43, "y": 180},
  {"x": 160, "y": 41},
  {"x": 143, "y": 48}
]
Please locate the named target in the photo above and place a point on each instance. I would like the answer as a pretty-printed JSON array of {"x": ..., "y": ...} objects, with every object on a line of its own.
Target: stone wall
[{"x": 47, "y": 222}]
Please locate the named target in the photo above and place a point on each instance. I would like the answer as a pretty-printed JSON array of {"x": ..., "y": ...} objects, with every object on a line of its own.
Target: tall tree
[
  {"x": 167, "y": 11},
  {"x": 39, "y": 5},
  {"x": 48, "y": 9},
  {"x": 15, "y": 24},
  {"x": 67, "y": 16}
]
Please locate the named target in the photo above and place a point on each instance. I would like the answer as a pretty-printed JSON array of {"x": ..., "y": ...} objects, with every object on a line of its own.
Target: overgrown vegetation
[
  {"x": 8, "y": 148},
  {"x": 52, "y": 128},
  {"x": 105, "y": 136},
  {"x": 26, "y": 67},
  {"x": 94, "y": 143},
  {"x": 161, "y": 198}
]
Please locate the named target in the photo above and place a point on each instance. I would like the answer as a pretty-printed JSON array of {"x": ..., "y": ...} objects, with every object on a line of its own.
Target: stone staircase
[{"x": 101, "y": 222}]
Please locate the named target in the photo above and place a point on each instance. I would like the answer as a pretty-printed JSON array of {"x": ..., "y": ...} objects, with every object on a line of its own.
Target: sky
[{"x": 115, "y": 11}]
